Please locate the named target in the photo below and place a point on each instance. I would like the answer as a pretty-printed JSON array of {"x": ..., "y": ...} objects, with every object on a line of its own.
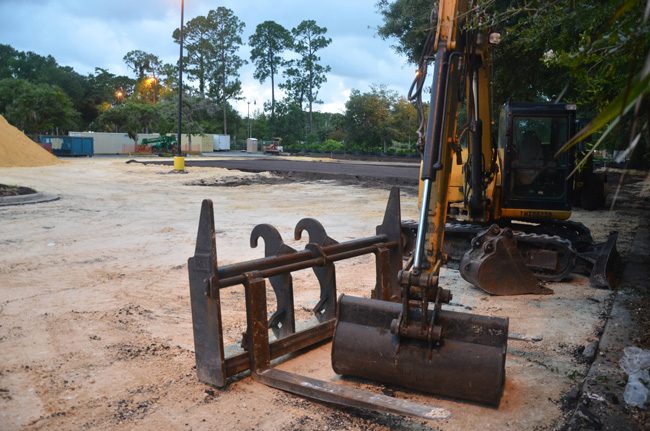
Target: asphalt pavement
[{"x": 403, "y": 171}]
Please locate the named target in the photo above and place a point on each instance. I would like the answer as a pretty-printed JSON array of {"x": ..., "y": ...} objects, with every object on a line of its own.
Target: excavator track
[
  {"x": 550, "y": 257},
  {"x": 576, "y": 232}
]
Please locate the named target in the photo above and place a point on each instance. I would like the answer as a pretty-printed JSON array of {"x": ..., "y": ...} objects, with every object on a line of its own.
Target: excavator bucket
[
  {"x": 601, "y": 263},
  {"x": 494, "y": 265},
  {"x": 467, "y": 363}
]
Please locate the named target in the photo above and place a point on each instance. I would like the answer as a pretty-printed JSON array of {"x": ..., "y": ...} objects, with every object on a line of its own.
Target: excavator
[
  {"x": 403, "y": 334},
  {"x": 515, "y": 181},
  {"x": 514, "y": 177}
]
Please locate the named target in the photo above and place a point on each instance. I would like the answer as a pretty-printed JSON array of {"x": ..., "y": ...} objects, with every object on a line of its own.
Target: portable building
[{"x": 221, "y": 142}]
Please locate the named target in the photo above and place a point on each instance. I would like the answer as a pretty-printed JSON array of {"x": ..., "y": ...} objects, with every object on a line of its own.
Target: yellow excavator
[
  {"x": 402, "y": 334},
  {"x": 512, "y": 179}
]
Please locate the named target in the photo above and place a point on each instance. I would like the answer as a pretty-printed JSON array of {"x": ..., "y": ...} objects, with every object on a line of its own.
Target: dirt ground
[{"x": 95, "y": 322}]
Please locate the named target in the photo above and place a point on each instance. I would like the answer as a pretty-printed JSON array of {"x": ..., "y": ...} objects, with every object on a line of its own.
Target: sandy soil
[
  {"x": 16, "y": 149},
  {"x": 95, "y": 324}
]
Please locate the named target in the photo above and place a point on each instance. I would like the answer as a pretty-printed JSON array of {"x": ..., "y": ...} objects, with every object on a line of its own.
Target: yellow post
[{"x": 179, "y": 163}]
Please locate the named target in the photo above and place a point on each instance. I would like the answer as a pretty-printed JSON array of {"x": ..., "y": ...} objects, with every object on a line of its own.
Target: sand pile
[{"x": 16, "y": 149}]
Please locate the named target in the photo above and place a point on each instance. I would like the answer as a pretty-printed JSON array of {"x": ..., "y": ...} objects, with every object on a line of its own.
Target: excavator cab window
[{"x": 535, "y": 173}]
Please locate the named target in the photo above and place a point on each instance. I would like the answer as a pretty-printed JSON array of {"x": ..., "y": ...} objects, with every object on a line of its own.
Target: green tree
[
  {"x": 294, "y": 83},
  {"x": 408, "y": 21},
  {"x": 37, "y": 108},
  {"x": 268, "y": 43},
  {"x": 589, "y": 53},
  {"x": 147, "y": 68},
  {"x": 329, "y": 125},
  {"x": 38, "y": 69},
  {"x": 130, "y": 117},
  {"x": 7, "y": 57},
  {"x": 289, "y": 122},
  {"x": 142, "y": 63},
  {"x": 199, "y": 49},
  {"x": 305, "y": 74},
  {"x": 367, "y": 119},
  {"x": 225, "y": 35},
  {"x": 403, "y": 122},
  {"x": 104, "y": 88},
  {"x": 608, "y": 71}
]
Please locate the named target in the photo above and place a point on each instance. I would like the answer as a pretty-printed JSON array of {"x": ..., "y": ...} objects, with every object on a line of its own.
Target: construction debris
[{"x": 636, "y": 363}]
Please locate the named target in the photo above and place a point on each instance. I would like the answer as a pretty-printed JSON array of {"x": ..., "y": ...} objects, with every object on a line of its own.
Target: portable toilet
[{"x": 251, "y": 145}]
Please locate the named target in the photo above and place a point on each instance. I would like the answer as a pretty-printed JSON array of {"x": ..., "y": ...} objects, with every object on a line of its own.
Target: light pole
[{"x": 180, "y": 85}]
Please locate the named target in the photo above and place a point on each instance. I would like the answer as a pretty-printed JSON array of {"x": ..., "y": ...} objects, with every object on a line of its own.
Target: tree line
[{"x": 40, "y": 96}]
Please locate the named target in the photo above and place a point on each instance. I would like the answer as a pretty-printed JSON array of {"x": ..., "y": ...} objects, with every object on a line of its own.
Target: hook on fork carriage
[{"x": 466, "y": 360}]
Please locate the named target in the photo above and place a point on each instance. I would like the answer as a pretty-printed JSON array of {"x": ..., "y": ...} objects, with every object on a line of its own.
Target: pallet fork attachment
[{"x": 271, "y": 336}]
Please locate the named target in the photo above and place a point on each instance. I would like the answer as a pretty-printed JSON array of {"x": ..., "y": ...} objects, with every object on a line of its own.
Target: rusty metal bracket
[
  {"x": 283, "y": 321},
  {"x": 389, "y": 264},
  {"x": 325, "y": 309}
]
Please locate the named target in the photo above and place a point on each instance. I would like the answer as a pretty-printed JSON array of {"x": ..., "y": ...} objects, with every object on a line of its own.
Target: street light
[
  {"x": 119, "y": 95},
  {"x": 152, "y": 83},
  {"x": 180, "y": 84}
]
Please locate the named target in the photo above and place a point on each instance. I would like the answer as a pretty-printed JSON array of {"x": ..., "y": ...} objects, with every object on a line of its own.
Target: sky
[{"x": 85, "y": 34}]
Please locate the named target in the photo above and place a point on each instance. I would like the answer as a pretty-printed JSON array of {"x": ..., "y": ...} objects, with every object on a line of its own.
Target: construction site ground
[{"x": 95, "y": 322}]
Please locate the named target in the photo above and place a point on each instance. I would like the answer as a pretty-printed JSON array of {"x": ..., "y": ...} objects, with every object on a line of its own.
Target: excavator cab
[{"x": 534, "y": 180}]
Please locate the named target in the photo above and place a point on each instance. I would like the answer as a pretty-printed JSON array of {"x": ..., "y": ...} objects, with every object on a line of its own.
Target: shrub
[{"x": 332, "y": 146}]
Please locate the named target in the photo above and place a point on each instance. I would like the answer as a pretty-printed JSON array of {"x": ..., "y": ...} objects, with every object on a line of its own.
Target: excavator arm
[
  {"x": 433, "y": 349},
  {"x": 462, "y": 53}
]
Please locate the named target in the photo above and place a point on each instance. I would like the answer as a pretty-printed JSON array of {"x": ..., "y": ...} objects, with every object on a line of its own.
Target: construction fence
[{"x": 120, "y": 143}]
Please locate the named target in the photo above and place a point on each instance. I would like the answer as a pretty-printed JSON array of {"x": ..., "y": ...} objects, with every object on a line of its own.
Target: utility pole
[{"x": 249, "y": 119}]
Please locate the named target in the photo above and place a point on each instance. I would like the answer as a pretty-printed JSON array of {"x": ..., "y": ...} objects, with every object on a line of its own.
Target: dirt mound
[{"x": 16, "y": 149}]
